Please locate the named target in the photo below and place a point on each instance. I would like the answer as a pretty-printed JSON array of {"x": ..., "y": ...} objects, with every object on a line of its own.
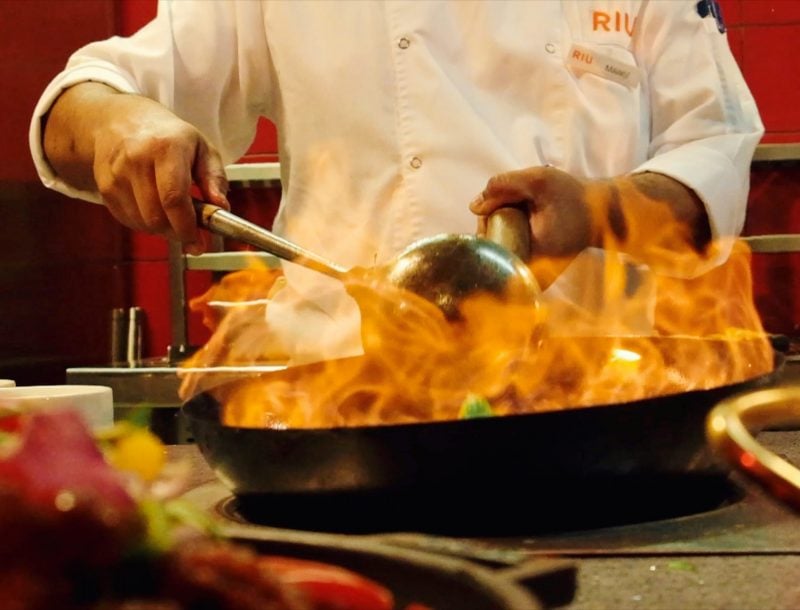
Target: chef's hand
[
  {"x": 560, "y": 218},
  {"x": 138, "y": 155},
  {"x": 652, "y": 217}
]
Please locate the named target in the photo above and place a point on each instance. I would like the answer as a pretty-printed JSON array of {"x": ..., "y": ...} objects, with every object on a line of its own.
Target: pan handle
[
  {"x": 552, "y": 580},
  {"x": 731, "y": 427}
]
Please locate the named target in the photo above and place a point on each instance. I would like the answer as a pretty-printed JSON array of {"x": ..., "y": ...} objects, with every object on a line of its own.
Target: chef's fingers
[
  {"x": 509, "y": 188},
  {"x": 120, "y": 201},
  {"x": 148, "y": 202},
  {"x": 209, "y": 175},
  {"x": 115, "y": 190},
  {"x": 124, "y": 211},
  {"x": 174, "y": 181}
]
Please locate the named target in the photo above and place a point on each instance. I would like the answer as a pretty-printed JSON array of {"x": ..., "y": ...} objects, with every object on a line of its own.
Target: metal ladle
[{"x": 444, "y": 269}]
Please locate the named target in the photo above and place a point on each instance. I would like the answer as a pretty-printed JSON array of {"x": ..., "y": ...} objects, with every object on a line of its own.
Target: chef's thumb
[{"x": 481, "y": 206}]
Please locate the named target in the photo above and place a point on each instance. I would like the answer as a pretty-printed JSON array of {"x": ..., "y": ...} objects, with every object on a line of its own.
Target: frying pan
[{"x": 591, "y": 465}]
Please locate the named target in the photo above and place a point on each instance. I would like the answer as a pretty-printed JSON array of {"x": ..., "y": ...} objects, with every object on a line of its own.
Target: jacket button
[
  {"x": 404, "y": 43},
  {"x": 415, "y": 162}
]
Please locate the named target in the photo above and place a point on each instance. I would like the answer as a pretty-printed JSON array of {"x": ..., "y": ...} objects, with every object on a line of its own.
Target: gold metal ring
[{"x": 731, "y": 427}]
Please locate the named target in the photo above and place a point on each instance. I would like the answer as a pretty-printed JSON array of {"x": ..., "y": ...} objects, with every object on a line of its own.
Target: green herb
[
  {"x": 475, "y": 405},
  {"x": 140, "y": 416},
  {"x": 683, "y": 566},
  {"x": 167, "y": 520}
]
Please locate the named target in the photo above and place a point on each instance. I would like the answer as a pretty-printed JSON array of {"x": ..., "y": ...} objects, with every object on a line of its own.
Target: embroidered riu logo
[{"x": 613, "y": 21}]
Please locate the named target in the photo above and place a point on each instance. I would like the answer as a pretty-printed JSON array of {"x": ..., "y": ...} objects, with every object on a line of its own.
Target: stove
[{"x": 728, "y": 545}]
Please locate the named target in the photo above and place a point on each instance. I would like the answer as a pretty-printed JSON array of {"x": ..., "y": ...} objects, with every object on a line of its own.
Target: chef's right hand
[{"x": 144, "y": 160}]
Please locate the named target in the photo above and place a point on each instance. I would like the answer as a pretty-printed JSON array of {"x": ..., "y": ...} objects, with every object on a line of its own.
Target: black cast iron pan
[{"x": 578, "y": 467}]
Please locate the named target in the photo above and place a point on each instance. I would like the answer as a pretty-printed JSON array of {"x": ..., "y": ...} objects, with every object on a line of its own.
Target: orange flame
[{"x": 417, "y": 366}]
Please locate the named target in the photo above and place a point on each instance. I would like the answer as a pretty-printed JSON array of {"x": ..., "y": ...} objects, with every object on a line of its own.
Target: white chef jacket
[{"x": 392, "y": 115}]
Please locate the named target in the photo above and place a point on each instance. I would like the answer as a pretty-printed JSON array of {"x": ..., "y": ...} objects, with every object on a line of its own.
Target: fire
[{"x": 418, "y": 366}]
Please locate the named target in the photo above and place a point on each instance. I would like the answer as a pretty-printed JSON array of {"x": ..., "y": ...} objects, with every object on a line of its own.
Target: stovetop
[{"x": 743, "y": 553}]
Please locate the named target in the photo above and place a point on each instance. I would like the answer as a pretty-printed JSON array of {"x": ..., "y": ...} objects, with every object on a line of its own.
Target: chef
[{"x": 402, "y": 119}]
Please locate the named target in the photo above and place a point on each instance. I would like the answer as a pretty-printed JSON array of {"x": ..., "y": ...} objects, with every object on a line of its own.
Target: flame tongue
[
  {"x": 418, "y": 366},
  {"x": 407, "y": 372}
]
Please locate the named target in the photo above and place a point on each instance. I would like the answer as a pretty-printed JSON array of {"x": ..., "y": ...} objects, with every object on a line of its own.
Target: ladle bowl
[{"x": 445, "y": 269}]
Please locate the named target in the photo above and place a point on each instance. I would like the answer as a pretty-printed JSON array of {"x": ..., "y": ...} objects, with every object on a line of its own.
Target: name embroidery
[{"x": 581, "y": 59}]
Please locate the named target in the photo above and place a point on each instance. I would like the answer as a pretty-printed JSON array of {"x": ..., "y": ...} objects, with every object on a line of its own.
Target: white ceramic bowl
[
  {"x": 94, "y": 402},
  {"x": 7, "y": 383}
]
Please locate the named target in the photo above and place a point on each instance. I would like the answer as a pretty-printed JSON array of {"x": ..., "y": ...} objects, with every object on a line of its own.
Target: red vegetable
[
  {"x": 330, "y": 587},
  {"x": 57, "y": 453},
  {"x": 66, "y": 518}
]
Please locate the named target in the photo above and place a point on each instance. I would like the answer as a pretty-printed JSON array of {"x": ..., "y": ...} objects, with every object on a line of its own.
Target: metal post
[{"x": 178, "y": 347}]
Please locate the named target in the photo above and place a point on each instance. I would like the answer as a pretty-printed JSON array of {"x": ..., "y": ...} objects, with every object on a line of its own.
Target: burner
[{"x": 504, "y": 511}]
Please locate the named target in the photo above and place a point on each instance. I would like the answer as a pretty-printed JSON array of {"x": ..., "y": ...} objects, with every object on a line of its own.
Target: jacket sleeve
[
  {"x": 704, "y": 122},
  {"x": 207, "y": 61}
]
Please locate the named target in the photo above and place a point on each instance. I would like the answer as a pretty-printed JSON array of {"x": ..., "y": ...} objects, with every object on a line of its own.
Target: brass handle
[
  {"x": 730, "y": 429},
  {"x": 510, "y": 228}
]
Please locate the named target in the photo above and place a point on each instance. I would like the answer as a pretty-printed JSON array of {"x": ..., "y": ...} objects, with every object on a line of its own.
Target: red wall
[
  {"x": 765, "y": 38},
  {"x": 60, "y": 260}
]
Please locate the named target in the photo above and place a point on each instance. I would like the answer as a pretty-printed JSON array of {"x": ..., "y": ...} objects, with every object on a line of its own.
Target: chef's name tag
[{"x": 582, "y": 59}]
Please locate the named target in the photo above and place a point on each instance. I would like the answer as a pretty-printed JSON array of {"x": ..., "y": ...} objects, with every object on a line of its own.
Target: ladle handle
[
  {"x": 510, "y": 228},
  {"x": 224, "y": 223}
]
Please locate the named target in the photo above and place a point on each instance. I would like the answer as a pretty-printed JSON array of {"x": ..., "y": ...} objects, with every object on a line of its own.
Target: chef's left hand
[
  {"x": 560, "y": 215},
  {"x": 649, "y": 216}
]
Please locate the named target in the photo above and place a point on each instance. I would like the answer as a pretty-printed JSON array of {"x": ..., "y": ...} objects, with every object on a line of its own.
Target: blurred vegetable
[
  {"x": 53, "y": 455},
  {"x": 474, "y": 406},
  {"x": 131, "y": 447},
  {"x": 134, "y": 449},
  {"x": 330, "y": 587},
  {"x": 683, "y": 566},
  {"x": 83, "y": 528},
  {"x": 169, "y": 522}
]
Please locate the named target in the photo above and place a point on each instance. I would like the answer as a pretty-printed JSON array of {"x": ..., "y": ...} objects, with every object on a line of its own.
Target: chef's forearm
[
  {"x": 70, "y": 130},
  {"x": 650, "y": 216},
  {"x": 682, "y": 202}
]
